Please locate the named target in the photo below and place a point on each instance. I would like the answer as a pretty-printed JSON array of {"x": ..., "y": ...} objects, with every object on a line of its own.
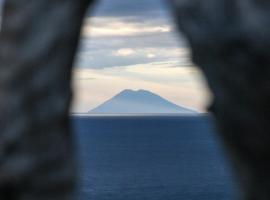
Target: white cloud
[
  {"x": 115, "y": 27},
  {"x": 151, "y": 55},
  {"x": 124, "y": 52}
]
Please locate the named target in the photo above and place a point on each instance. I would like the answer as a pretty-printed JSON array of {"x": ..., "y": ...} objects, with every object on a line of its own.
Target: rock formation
[
  {"x": 37, "y": 45},
  {"x": 230, "y": 41}
]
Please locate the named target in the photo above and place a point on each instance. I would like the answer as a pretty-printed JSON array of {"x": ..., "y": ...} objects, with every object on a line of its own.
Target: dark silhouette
[
  {"x": 230, "y": 41},
  {"x": 37, "y": 45}
]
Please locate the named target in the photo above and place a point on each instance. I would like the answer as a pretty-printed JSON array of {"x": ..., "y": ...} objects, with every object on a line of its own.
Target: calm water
[{"x": 150, "y": 158}]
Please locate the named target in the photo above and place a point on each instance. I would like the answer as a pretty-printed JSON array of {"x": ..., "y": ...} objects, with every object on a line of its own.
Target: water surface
[{"x": 150, "y": 157}]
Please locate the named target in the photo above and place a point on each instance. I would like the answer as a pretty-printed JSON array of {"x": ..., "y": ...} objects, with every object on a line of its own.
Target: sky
[{"x": 134, "y": 45}]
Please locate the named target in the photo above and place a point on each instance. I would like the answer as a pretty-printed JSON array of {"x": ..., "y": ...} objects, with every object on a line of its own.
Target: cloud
[
  {"x": 104, "y": 58},
  {"x": 124, "y": 52},
  {"x": 117, "y": 27},
  {"x": 125, "y": 36},
  {"x": 111, "y": 42},
  {"x": 151, "y": 55}
]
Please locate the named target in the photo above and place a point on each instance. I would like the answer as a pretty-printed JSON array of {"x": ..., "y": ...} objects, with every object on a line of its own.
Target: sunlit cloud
[
  {"x": 124, "y": 52},
  {"x": 115, "y": 27},
  {"x": 151, "y": 55}
]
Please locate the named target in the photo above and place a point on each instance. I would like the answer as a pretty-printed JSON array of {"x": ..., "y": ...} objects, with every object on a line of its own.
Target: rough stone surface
[
  {"x": 37, "y": 45},
  {"x": 230, "y": 41}
]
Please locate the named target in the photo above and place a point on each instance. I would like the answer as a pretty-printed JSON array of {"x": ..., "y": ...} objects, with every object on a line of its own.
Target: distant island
[{"x": 140, "y": 101}]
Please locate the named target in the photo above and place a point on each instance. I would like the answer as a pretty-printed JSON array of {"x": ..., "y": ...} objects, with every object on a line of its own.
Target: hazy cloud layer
[
  {"x": 125, "y": 33},
  {"x": 181, "y": 85}
]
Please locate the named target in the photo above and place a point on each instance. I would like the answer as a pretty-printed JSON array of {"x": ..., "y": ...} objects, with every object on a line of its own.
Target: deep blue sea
[{"x": 151, "y": 158}]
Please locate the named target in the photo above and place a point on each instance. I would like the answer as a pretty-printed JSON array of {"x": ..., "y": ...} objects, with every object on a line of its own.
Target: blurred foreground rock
[
  {"x": 37, "y": 47},
  {"x": 230, "y": 41}
]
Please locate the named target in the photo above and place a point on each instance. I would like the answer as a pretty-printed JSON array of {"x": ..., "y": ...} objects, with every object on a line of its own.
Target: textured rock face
[
  {"x": 37, "y": 45},
  {"x": 230, "y": 41}
]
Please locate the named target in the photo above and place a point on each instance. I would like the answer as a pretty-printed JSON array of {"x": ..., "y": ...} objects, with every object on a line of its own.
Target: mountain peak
[
  {"x": 139, "y": 101},
  {"x": 134, "y": 91}
]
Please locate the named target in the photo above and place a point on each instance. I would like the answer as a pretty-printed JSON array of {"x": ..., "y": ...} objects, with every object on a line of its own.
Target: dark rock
[
  {"x": 37, "y": 46},
  {"x": 230, "y": 41}
]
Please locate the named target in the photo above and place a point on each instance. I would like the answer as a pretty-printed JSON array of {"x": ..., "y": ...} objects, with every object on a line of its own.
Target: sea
[{"x": 151, "y": 157}]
